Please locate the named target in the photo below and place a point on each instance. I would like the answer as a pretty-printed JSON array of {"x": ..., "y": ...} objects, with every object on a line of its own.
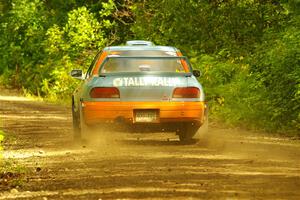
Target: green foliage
[
  {"x": 277, "y": 65},
  {"x": 206, "y": 26},
  {"x": 40, "y": 46},
  {"x": 69, "y": 47},
  {"x": 83, "y": 30},
  {"x": 21, "y": 34}
]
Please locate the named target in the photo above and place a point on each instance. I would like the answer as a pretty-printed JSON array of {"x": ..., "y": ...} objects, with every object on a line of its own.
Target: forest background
[{"x": 248, "y": 50}]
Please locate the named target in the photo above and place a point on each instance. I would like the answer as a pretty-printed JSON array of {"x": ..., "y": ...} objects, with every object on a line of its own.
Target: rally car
[{"x": 139, "y": 84}]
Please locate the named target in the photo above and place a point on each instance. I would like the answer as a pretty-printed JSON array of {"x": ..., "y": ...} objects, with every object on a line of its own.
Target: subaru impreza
[{"x": 139, "y": 85}]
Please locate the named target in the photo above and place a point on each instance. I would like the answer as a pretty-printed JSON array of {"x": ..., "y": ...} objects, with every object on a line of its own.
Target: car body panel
[{"x": 96, "y": 112}]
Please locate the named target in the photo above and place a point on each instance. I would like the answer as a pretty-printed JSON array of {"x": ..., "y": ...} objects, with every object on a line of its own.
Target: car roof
[{"x": 140, "y": 45}]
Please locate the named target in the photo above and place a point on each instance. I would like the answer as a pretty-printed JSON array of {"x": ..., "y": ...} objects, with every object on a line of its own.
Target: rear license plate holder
[{"x": 146, "y": 116}]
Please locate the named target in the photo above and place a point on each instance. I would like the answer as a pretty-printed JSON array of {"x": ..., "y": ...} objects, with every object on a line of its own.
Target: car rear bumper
[{"x": 99, "y": 112}]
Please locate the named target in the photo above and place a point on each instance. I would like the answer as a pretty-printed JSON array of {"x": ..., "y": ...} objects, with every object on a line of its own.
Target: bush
[{"x": 277, "y": 66}]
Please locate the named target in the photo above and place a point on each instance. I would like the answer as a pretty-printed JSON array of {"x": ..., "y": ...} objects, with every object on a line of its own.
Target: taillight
[
  {"x": 186, "y": 92},
  {"x": 105, "y": 92}
]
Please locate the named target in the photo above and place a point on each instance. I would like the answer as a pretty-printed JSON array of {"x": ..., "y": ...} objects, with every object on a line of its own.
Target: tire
[
  {"x": 76, "y": 125},
  {"x": 186, "y": 131}
]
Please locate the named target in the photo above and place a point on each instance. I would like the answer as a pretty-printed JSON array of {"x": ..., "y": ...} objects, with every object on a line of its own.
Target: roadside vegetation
[
  {"x": 12, "y": 174},
  {"x": 1, "y": 141},
  {"x": 248, "y": 50}
]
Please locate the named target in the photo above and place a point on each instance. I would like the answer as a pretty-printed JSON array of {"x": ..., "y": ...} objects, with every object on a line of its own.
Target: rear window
[{"x": 117, "y": 64}]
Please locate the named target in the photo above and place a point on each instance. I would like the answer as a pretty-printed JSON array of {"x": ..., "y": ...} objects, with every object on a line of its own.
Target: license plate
[{"x": 150, "y": 116}]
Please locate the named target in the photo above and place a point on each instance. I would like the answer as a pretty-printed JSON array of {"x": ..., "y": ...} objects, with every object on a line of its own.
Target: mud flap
[
  {"x": 203, "y": 130},
  {"x": 76, "y": 125}
]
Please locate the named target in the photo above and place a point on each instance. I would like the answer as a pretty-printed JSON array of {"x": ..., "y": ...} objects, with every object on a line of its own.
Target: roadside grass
[
  {"x": 49, "y": 99},
  {"x": 1, "y": 141},
  {"x": 23, "y": 92},
  {"x": 12, "y": 174}
]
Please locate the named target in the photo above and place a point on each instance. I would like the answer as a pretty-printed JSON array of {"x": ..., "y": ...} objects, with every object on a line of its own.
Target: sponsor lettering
[{"x": 146, "y": 81}]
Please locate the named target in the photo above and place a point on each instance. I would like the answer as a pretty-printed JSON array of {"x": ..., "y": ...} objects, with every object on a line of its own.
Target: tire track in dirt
[{"x": 224, "y": 164}]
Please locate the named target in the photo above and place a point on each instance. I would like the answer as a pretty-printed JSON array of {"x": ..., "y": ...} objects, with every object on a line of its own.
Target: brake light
[
  {"x": 186, "y": 92},
  {"x": 105, "y": 92}
]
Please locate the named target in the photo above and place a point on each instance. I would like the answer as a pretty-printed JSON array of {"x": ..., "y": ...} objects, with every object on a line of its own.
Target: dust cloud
[
  {"x": 251, "y": 145},
  {"x": 113, "y": 142}
]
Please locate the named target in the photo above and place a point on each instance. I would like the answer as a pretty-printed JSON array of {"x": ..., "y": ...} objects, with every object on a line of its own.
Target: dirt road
[{"x": 227, "y": 164}]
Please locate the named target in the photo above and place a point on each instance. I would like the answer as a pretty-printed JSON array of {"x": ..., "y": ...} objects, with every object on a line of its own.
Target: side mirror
[
  {"x": 77, "y": 73},
  {"x": 196, "y": 73}
]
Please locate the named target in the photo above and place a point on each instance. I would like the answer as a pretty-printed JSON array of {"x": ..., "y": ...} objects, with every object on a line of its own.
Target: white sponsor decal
[
  {"x": 145, "y": 81},
  {"x": 171, "y": 53}
]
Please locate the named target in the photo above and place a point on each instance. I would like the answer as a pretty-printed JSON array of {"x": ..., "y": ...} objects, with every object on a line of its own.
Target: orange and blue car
[{"x": 140, "y": 84}]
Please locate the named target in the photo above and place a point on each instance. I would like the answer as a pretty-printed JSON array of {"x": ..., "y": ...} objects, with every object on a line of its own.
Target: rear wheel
[
  {"x": 186, "y": 131},
  {"x": 76, "y": 125}
]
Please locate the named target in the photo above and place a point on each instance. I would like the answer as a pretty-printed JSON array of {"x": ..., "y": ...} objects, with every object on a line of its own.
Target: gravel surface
[{"x": 224, "y": 164}]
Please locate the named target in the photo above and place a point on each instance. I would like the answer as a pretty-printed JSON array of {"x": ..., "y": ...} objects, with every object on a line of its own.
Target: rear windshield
[{"x": 117, "y": 64}]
